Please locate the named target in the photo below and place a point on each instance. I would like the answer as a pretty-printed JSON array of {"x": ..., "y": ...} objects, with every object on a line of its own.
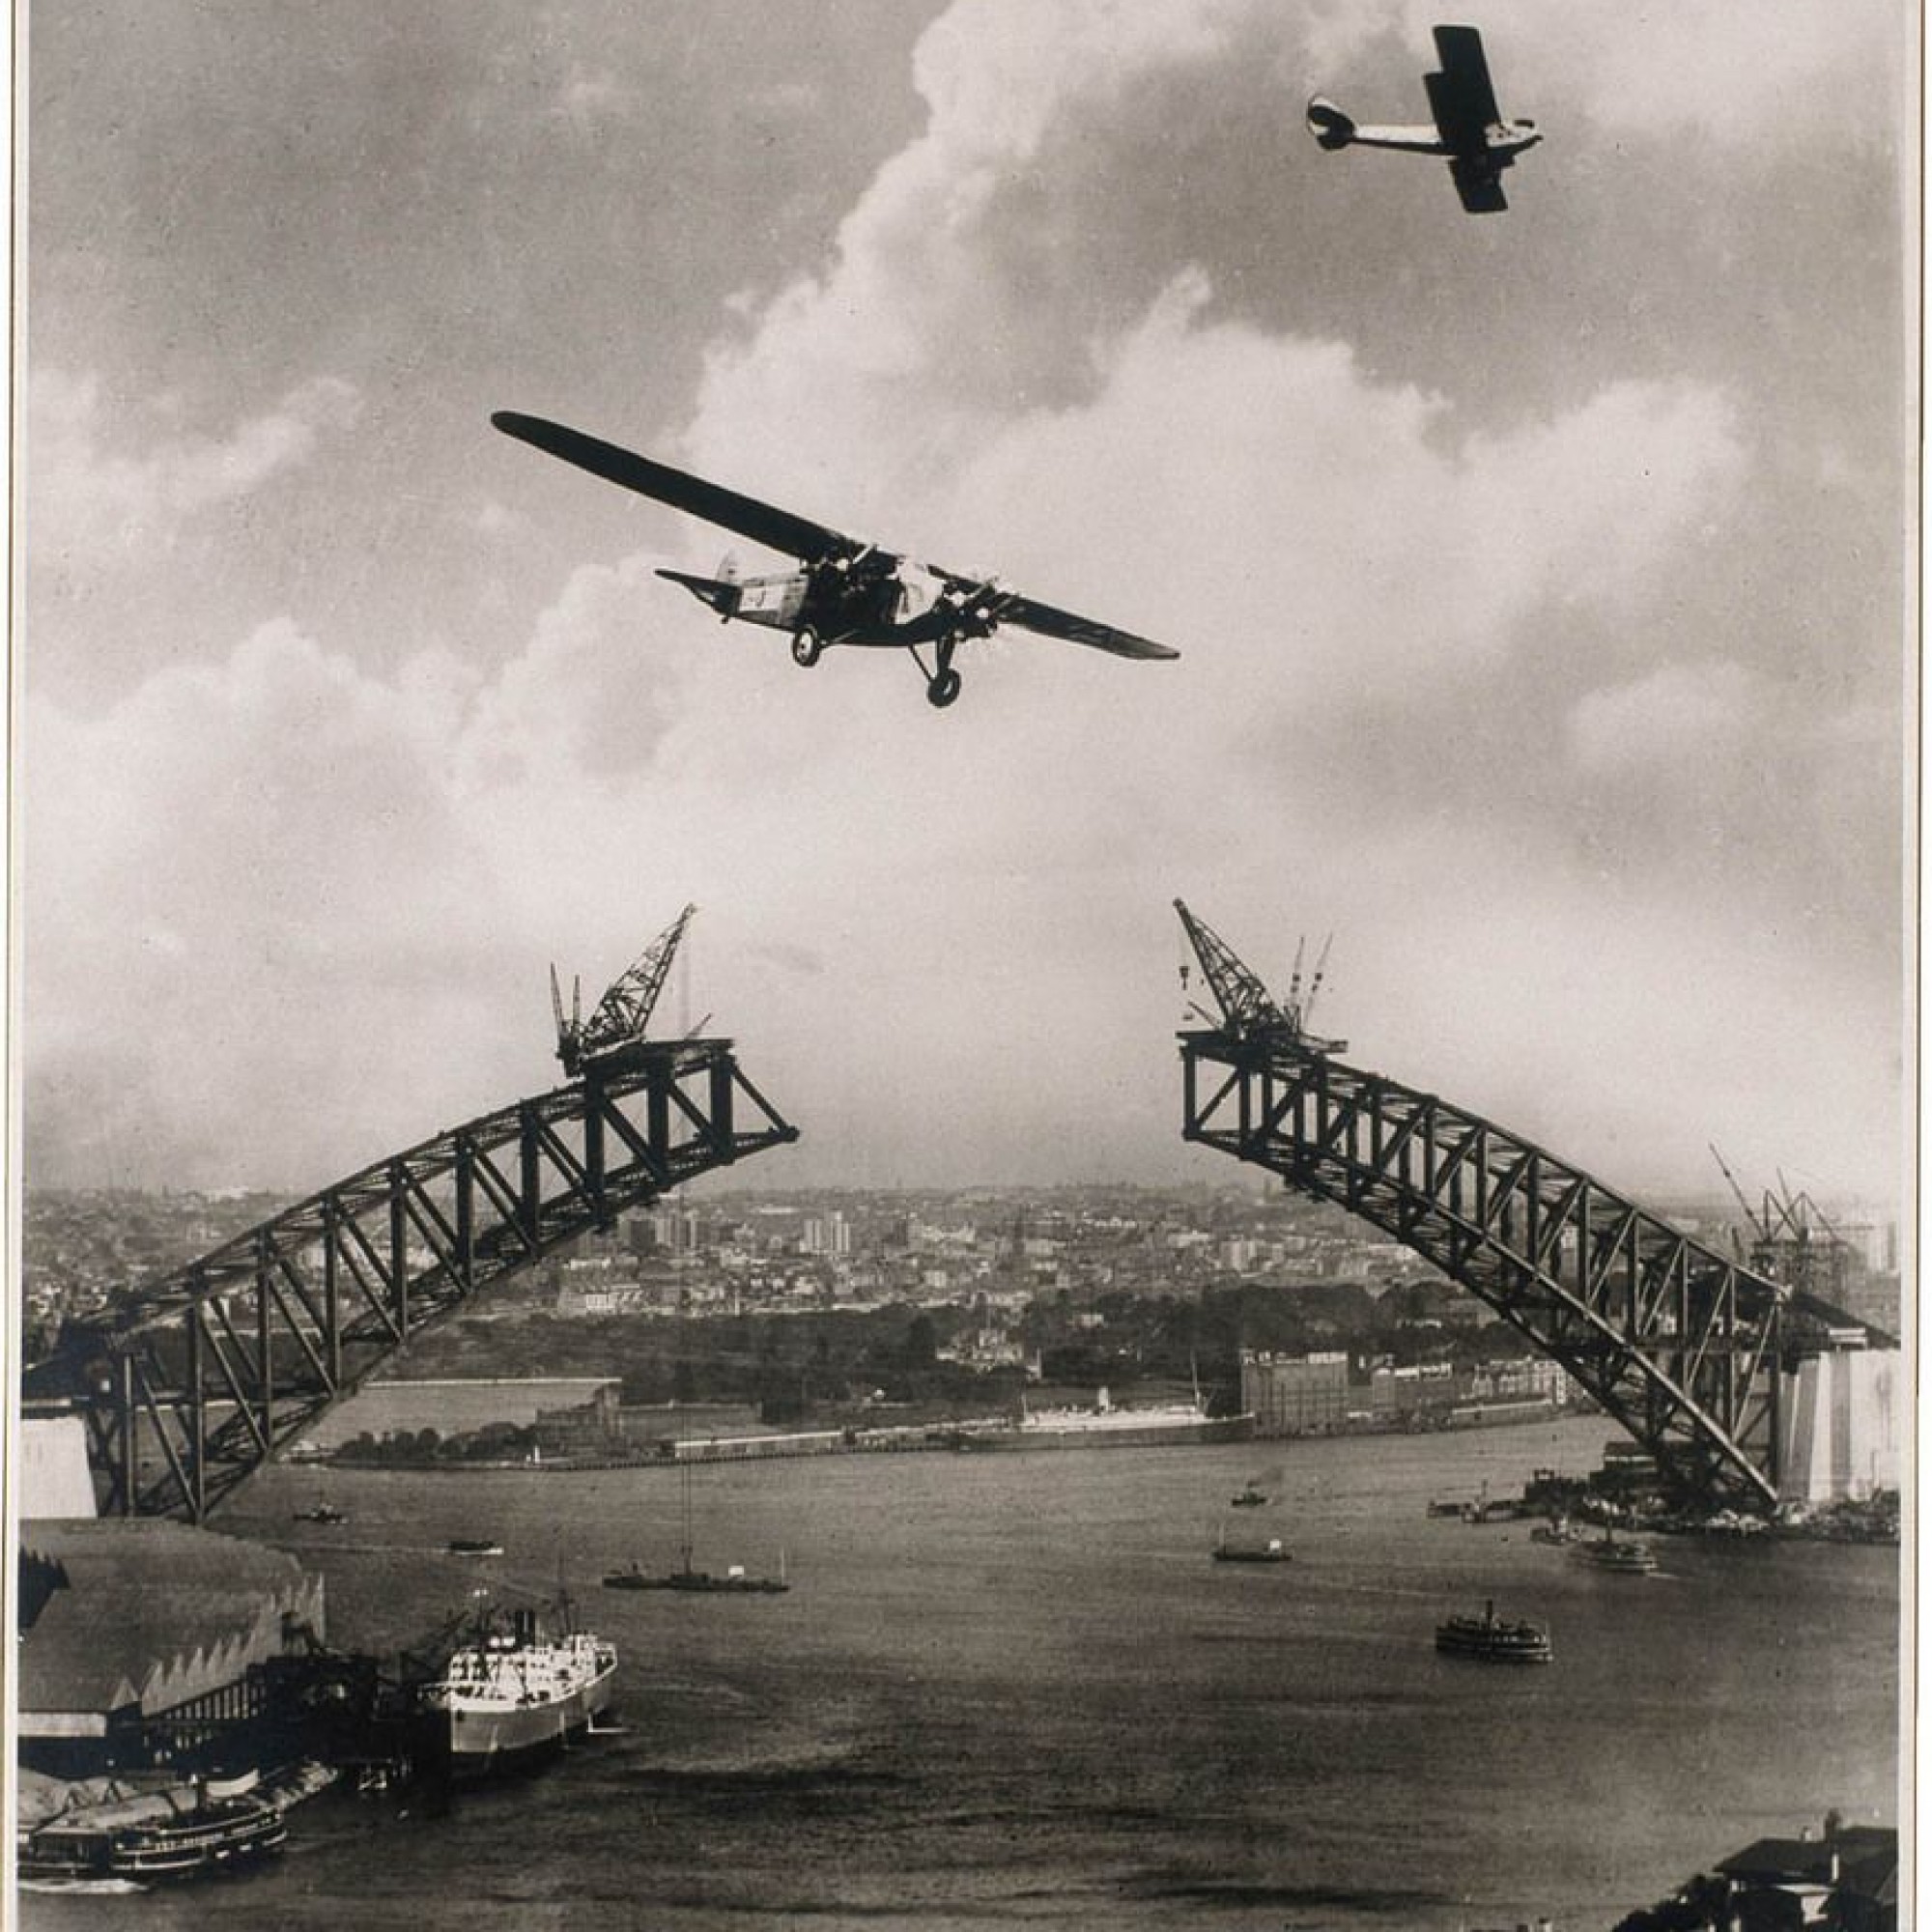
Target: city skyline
[{"x": 1540, "y": 578}]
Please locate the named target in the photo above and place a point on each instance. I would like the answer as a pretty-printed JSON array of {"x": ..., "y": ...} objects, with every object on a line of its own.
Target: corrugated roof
[{"x": 152, "y": 1611}]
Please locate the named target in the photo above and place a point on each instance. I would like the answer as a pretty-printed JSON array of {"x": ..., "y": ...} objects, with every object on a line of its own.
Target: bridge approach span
[{"x": 203, "y": 1374}]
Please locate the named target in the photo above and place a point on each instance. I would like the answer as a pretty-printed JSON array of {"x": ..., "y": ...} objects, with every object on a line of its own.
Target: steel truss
[
  {"x": 1681, "y": 1345},
  {"x": 207, "y": 1373}
]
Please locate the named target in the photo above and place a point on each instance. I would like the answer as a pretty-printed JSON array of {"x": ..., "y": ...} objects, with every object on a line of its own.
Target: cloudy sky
[{"x": 1540, "y": 578}]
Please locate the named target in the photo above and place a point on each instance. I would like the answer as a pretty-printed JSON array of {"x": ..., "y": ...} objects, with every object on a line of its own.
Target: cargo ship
[{"x": 515, "y": 1693}]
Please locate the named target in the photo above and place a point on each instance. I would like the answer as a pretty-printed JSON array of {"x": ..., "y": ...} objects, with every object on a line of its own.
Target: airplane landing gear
[
  {"x": 943, "y": 686},
  {"x": 807, "y": 647}
]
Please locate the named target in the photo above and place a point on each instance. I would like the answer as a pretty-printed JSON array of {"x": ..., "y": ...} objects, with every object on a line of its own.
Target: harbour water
[{"x": 1014, "y": 1692}]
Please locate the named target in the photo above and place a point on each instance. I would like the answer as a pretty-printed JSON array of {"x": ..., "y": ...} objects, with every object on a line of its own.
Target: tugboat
[
  {"x": 1250, "y": 1497},
  {"x": 1490, "y": 1639},
  {"x": 515, "y": 1693}
]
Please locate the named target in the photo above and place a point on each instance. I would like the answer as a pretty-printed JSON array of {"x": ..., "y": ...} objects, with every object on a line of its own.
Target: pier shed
[{"x": 145, "y": 1641}]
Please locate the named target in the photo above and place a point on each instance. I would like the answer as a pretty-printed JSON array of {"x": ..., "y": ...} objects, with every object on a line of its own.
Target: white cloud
[
  {"x": 92, "y": 490},
  {"x": 944, "y": 938},
  {"x": 1677, "y": 713},
  {"x": 1786, "y": 74},
  {"x": 585, "y": 702},
  {"x": 586, "y": 99}
]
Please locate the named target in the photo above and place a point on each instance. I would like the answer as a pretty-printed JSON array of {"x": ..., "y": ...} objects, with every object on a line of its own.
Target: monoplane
[
  {"x": 844, "y": 590},
  {"x": 1470, "y": 131}
]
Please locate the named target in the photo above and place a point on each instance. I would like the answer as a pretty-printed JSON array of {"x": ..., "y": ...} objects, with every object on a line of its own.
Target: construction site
[{"x": 151, "y": 1642}]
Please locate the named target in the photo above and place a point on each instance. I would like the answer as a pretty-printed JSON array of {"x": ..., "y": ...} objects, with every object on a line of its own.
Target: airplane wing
[
  {"x": 1460, "y": 96},
  {"x": 1078, "y": 630},
  {"x": 743, "y": 516},
  {"x": 1481, "y": 188}
]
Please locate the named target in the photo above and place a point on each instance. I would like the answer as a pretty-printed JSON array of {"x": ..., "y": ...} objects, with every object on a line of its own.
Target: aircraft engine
[{"x": 1328, "y": 124}]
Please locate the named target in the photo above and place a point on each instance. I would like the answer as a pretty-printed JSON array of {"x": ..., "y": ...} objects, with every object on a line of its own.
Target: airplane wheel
[
  {"x": 806, "y": 647},
  {"x": 943, "y": 688}
]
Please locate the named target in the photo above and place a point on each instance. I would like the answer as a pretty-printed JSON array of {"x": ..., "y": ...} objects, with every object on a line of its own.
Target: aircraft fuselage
[
  {"x": 1500, "y": 141},
  {"x": 888, "y": 608}
]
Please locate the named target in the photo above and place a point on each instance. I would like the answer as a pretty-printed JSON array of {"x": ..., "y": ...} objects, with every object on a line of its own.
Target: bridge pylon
[
  {"x": 1676, "y": 1341},
  {"x": 203, "y": 1374}
]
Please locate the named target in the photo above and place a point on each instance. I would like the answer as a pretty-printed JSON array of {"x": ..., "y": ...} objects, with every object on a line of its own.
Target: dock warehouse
[{"x": 143, "y": 1640}]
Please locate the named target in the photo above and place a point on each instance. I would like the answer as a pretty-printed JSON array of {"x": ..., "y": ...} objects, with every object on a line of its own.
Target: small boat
[
  {"x": 474, "y": 1546},
  {"x": 1490, "y": 1639},
  {"x": 1273, "y": 1551},
  {"x": 733, "y": 1583},
  {"x": 321, "y": 1512},
  {"x": 1629, "y": 1558},
  {"x": 1448, "y": 1506},
  {"x": 1250, "y": 1497}
]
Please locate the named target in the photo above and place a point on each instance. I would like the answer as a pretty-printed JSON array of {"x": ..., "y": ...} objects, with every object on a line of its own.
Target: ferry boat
[
  {"x": 178, "y": 1834},
  {"x": 1491, "y": 1639},
  {"x": 1629, "y": 1558},
  {"x": 514, "y": 1693}
]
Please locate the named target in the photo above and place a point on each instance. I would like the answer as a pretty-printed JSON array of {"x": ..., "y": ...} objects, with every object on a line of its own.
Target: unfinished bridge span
[
  {"x": 1683, "y": 1346},
  {"x": 198, "y": 1378}
]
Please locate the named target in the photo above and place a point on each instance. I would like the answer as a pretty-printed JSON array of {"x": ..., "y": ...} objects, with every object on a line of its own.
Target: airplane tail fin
[
  {"x": 721, "y": 593},
  {"x": 1328, "y": 124}
]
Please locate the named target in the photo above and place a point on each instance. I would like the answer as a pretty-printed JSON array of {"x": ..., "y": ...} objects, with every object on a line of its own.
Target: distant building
[
  {"x": 587, "y": 1431},
  {"x": 1294, "y": 1395},
  {"x": 1519, "y": 1378},
  {"x": 1401, "y": 1394},
  {"x": 828, "y": 1234},
  {"x": 676, "y": 1230}
]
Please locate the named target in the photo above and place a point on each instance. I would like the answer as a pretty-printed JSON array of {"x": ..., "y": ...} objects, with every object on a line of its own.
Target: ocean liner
[{"x": 1157, "y": 1425}]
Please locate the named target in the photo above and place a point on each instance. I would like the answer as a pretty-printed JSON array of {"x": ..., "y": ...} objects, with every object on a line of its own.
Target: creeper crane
[
  {"x": 1247, "y": 1009},
  {"x": 625, "y": 1010}
]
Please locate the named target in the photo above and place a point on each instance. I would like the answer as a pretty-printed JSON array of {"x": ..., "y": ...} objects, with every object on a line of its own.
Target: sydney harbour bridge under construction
[{"x": 197, "y": 1378}]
